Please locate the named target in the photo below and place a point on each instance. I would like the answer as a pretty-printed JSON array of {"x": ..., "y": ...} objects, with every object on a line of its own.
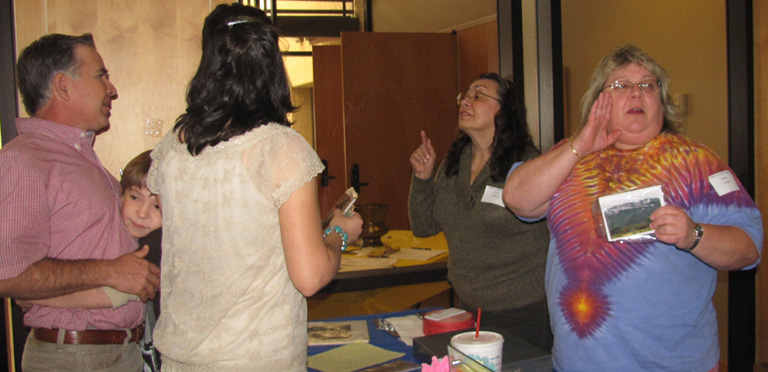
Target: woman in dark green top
[{"x": 496, "y": 260}]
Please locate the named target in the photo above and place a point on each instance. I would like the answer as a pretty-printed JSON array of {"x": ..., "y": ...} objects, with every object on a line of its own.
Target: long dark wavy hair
[
  {"x": 511, "y": 139},
  {"x": 241, "y": 83}
]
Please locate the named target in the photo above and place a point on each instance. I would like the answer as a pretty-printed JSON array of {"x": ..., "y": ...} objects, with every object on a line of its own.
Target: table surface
[
  {"x": 404, "y": 271},
  {"x": 378, "y": 337},
  {"x": 395, "y": 276}
]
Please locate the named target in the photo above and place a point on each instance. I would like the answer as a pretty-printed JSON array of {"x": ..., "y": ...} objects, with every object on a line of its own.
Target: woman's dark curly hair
[
  {"x": 241, "y": 82},
  {"x": 511, "y": 139}
]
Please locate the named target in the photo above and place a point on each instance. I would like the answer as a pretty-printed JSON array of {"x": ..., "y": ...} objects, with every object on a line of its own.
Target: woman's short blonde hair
[{"x": 618, "y": 58}]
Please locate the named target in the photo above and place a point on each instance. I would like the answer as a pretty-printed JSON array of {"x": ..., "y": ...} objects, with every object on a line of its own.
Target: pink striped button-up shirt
[{"x": 58, "y": 201}]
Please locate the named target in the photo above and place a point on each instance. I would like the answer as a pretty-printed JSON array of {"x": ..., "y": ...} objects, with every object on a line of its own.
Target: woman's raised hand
[
  {"x": 423, "y": 159},
  {"x": 594, "y": 136}
]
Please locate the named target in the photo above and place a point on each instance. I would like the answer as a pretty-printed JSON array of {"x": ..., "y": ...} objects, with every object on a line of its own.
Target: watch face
[{"x": 699, "y": 231}]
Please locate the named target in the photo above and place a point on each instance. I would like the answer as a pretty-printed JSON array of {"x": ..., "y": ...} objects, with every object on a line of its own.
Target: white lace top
[{"x": 227, "y": 301}]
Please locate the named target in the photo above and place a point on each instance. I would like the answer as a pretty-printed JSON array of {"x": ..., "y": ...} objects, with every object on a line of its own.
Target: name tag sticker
[
  {"x": 723, "y": 182},
  {"x": 492, "y": 195}
]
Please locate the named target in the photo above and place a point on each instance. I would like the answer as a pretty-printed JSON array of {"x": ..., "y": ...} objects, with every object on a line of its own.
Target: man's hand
[
  {"x": 131, "y": 273},
  {"x": 24, "y": 305}
]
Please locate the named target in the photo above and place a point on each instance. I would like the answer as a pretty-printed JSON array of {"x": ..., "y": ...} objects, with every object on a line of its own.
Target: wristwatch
[
  {"x": 698, "y": 232},
  {"x": 338, "y": 230}
]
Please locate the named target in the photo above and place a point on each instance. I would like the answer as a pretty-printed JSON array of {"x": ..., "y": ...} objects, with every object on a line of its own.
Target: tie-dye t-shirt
[{"x": 638, "y": 306}]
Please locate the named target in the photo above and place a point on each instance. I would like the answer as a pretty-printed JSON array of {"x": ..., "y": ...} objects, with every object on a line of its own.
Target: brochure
[
  {"x": 337, "y": 332},
  {"x": 627, "y": 216}
]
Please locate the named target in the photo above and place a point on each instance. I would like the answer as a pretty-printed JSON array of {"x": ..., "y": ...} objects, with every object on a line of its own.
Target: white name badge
[
  {"x": 723, "y": 182},
  {"x": 492, "y": 195}
]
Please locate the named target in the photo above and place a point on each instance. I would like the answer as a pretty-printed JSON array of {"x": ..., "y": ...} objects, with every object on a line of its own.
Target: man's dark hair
[{"x": 41, "y": 61}]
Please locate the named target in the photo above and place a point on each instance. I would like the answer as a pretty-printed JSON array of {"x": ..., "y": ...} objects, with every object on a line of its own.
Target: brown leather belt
[{"x": 90, "y": 336}]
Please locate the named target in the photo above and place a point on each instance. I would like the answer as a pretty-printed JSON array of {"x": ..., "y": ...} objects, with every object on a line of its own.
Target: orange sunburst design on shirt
[{"x": 585, "y": 309}]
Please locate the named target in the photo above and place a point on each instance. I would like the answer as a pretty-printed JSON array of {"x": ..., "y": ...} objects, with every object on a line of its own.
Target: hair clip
[{"x": 241, "y": 19}]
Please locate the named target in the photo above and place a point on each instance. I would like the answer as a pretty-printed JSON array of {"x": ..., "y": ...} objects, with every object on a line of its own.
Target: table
[
  {"x": 519, "y": 355},
  {"x": 391, "y": 277},
  {"x": 384, "y": 290},
  {"x": 378, "y": 337}
]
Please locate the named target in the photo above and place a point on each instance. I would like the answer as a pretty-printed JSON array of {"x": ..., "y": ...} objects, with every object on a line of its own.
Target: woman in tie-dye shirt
[{"x": 640, "y": 304}]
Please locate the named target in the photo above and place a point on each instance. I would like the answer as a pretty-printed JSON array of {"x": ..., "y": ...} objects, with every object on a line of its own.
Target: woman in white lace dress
[{"x": 242, "y": 242}]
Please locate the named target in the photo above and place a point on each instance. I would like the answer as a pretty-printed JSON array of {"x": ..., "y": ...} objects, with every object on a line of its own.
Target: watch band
[
  {"x": 338, "y": 230},
  {"x": 698, "y": 232}
]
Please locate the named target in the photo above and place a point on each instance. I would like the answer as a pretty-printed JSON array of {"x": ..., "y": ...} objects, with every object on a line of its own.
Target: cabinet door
[{"x": 395, "y": 85}]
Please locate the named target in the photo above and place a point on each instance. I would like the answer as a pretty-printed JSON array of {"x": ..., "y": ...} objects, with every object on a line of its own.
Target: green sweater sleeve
[{"x": 421, "y": 200}]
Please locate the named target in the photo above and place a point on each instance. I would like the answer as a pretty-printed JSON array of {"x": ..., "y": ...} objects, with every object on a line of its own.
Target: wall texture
[
  {"x": 151, "y": 49},
  {"x": 688, "y": 38}
]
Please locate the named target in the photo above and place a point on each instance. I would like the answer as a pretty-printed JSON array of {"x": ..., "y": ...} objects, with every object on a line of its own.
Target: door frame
[
  {"x": 551, "y": 94},
  {"x": 8, "y": 103},
  {"x": 741, "y": 158}
]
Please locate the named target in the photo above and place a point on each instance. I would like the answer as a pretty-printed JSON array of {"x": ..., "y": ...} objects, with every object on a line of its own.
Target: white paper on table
[
  {"x": 408, "y": 327},
  {"x": 419, "y": 254},
  {"x": 354, "y": 263}
]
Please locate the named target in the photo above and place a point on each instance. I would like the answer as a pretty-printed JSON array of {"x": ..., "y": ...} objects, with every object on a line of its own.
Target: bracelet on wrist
[
  {"x": 338, "y": 230},
  {"x": 570, "y": 143}
]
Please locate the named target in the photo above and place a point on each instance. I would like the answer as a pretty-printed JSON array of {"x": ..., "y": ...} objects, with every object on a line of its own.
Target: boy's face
[{"x": 142, "y": 211}]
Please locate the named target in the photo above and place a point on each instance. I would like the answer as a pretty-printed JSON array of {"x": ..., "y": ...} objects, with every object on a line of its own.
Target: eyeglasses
[
  {"x": 624, "y": 86},
  {"x": 473, "y": 95}
]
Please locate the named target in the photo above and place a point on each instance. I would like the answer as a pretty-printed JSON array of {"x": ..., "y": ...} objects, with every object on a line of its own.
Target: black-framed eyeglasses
[
  {"x": 624, "y": 86},
  {"x": 473, "y": 95}
]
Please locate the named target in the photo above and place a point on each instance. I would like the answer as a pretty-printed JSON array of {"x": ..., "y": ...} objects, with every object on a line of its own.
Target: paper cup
[{"x": 486, "y": 348}]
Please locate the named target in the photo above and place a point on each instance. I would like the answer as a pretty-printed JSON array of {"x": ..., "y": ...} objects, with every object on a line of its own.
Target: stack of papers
[
  {"x": 408, "y": 327},
  {"x": 354, "y": 263},
  {"x": 418, "y": 253}
]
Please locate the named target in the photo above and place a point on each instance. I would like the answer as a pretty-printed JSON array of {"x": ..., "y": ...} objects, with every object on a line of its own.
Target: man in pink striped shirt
[{"x": 60, "y": 225}]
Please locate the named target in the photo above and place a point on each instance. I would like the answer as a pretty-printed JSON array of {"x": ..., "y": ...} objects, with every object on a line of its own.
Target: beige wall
[
  {"x": 688, "y": 38},
  {"x": 151, "y": 49},
  {"x": 303, "y": 117}
]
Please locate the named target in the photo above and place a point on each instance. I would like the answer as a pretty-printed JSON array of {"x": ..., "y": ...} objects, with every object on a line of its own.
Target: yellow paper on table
[
  {"x": 351, "y": 357},
  {"x": 403, "y": 240}
]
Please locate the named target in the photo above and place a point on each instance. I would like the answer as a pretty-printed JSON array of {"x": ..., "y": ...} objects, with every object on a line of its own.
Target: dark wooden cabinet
[{"x": 373, "y": 94}]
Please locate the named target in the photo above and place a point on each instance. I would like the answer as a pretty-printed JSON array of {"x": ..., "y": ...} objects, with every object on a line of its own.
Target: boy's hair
[{"x": 135, "y": 173}]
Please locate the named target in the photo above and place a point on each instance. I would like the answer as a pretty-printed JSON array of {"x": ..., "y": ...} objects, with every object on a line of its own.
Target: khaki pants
[{"x": 42, "y": 356}]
